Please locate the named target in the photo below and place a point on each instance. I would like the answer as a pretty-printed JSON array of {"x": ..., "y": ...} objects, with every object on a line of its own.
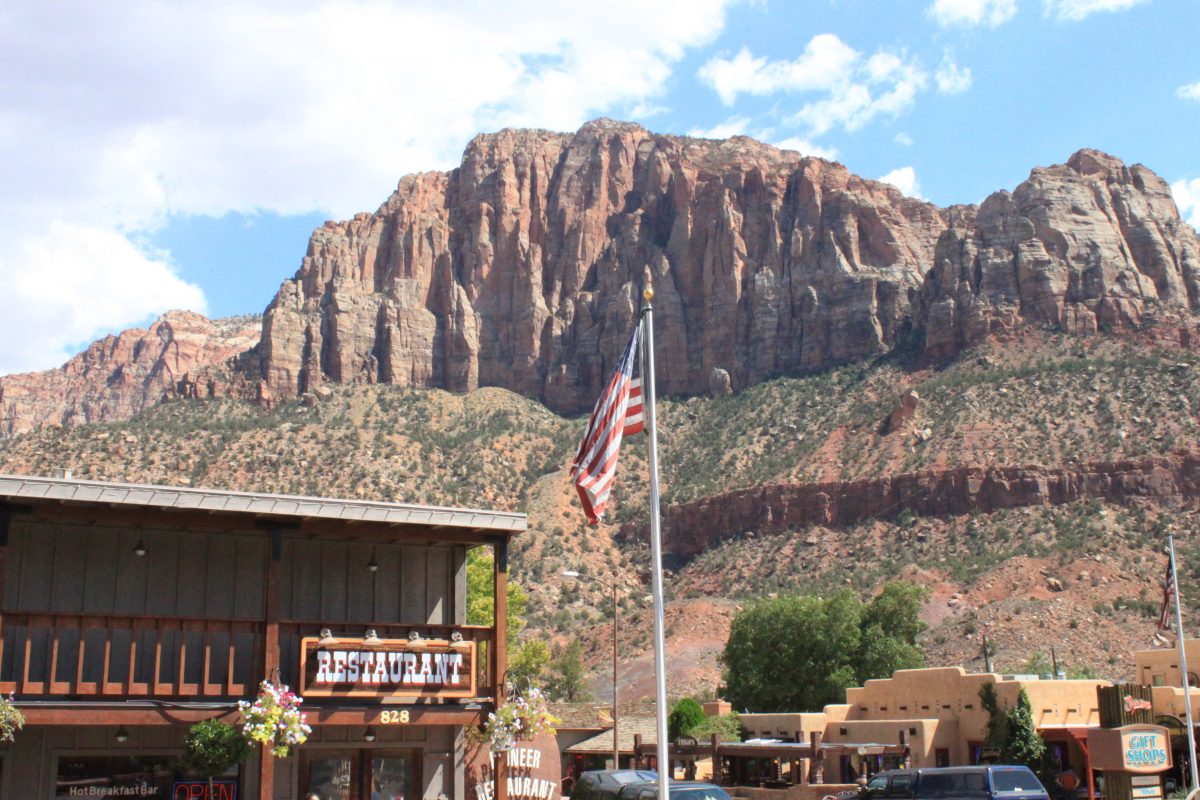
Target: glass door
[
  {"x": 390, "y": 775},
  {"x": 359, "y": 775},
  {"x": 331, "y": 775}
]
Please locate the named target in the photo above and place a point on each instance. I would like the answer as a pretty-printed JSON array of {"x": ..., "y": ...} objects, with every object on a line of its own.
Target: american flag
[
  {"x": 1164, "y": 613},
  {"x": 618, "y": 413}
]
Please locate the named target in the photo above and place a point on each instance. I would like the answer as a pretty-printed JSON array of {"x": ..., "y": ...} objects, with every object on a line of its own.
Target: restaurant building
[{"x": 131, "y": 612}]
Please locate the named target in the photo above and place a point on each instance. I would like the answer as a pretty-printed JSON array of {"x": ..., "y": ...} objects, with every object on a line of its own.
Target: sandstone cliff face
[
  {"x": 182, "y": 354},
  {"x": 693, "y": 527},
  {"x": 523, "y": 268},
  {"x": 1088, "y": 245}
]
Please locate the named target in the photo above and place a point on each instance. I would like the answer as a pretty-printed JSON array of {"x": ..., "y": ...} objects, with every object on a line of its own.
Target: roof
[
  {"x": 176, "y": 498},
  {"x": 627, "y": 728},
  {"x": 582, "y": 716}
]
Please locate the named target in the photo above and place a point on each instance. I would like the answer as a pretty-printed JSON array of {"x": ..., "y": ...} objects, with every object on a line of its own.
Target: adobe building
[
  {"x": 931, "y": 717},
  {"x": 131, "y": 612}
]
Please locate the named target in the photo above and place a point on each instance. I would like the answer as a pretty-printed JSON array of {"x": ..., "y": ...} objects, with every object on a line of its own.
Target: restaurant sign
[
  {"x": 387, "y": 668},
  {"x": 1132, "y": 748}
]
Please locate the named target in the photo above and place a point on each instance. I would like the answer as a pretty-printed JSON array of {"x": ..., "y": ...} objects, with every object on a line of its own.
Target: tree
[
  {"x": 685, "y": 716},
  {"x": 566, "y": 680},
  {"x": 527, "y": 663},
  {"x": 1012, "y": 731},
  {"x": 800, "y": 652},
  {"x": 727, "y": 727},
  {"x": 481, "y": 604},
  {"x": 1023, "y": 744},
  {"x": 211, "y": 747}
]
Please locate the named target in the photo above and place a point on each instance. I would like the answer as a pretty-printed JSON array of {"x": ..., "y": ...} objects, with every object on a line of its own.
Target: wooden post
[
  {"x": 266, "y": 771},
  {"x": 816, "y": 770},
  {"x": 637, "y": 751},
  {"x": 500, "y": 646},
  {"x": 714, "y": 742}
]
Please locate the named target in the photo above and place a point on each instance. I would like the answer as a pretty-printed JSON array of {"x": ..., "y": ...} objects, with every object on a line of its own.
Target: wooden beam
[
  {"x": 500, "y": 646},
  {"x": 80, "y": 714},
  {"x": 266, "y": 774},
  {"x": 53, "y": 512}
]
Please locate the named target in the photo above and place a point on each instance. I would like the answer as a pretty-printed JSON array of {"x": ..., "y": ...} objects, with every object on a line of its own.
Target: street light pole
[{"x": 570, "y": 573}]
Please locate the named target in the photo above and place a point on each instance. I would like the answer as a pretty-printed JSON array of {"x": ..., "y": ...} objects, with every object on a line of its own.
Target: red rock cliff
[
  {"x": 694, "y": 527},
  {"x": 523, "y": 268}
]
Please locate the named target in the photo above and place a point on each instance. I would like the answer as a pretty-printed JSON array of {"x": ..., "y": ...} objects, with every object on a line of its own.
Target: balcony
[{"x": 77, "y": 656}]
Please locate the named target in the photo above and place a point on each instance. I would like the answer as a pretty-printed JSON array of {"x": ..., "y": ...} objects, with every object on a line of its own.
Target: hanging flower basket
[
  {"x": 11, "y": 719},
  {"x": 519, "y": 719},
  {"x": 274, "y": 719}
]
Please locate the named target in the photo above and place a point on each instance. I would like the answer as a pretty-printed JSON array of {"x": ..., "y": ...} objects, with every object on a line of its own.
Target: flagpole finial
[{"x": 648, "y": 293}]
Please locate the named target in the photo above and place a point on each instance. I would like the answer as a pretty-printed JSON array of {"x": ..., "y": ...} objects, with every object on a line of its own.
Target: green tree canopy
[
  {"x": 800, "y": 652},
  {"x": 565, "y": 682},
  {"x": 480, "y": 603},
  {"x": 685, "y": 716}
]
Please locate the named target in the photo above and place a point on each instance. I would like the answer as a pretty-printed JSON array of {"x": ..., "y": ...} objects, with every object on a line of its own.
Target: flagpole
[
  {"x": 1183, "y": 667},
  {"x": 660, "y": 656}
]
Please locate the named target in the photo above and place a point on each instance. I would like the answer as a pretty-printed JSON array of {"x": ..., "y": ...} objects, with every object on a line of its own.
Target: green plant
[
  {"x": 212, "y": 747},
  {"x": 685, "y": 716},
  {"x": 11, "y": 719}
]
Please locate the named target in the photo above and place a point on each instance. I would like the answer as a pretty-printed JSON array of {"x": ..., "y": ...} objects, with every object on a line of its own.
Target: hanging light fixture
[
  {"x": 458, "y": 643},
  {"x": 369, "y": 735},
  {"x": 327, "y": 639},
  {"x": 415, "y": 641},
  {"x": 373, "y": 565},
  {"x": 139, "y": 549},
  {"x": 122, "y": 734},
  {"x": 372, "y": 639}
]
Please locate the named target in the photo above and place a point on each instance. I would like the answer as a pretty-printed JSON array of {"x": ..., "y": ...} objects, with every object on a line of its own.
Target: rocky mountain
[
  {"x": 181, "y": 355},
  {"x": 522, "y": 269}
]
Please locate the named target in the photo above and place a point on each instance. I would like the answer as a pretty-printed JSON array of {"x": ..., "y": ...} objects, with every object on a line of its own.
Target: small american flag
[
  {"x": 618, "y": 413},
  {"x": 1164, "y": 613}
]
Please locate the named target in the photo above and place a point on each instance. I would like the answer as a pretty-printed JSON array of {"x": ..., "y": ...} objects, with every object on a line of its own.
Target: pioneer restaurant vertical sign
[{"x": 391, "y": 668}]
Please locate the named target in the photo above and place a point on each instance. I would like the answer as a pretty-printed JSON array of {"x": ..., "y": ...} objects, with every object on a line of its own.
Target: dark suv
[
  {"x": 985, "y": 782},
  {"x": 679, "y": 790},
  {"x": 603, "y": 784}
]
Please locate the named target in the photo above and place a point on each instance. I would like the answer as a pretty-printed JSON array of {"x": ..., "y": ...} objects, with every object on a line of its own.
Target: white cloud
[
  {"x": 1189, "y": 92},
  {"x": 854, "y": 89},
  {"x": 117, "y": 115},
  {"x": 904, "y": 179},
  {"x": 825, "y": 63},
  {"x": 65, "y": 287},
  {"x": 1187, "y": 197},
  {"x": 951, "y": 78},
  {"x": 972, "y": 13},
  {"x": 805, "y": 147},
  {"x": 734, "y": 126},
  {"x": 1075, "y": 10},
  {"x": 903, "y": 139}
]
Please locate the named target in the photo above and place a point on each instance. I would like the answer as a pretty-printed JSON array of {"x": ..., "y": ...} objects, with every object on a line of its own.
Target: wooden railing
[
  {"x": 66, "y": 655},
  {"x": 46, "y": 654}
]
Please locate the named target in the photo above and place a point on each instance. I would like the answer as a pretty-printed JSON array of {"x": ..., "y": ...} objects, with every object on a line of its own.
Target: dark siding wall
[{"x": 79, "y": 569}]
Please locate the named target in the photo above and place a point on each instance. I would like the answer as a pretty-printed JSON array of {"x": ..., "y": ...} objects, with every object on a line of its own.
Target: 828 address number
[{"x": 394, "y": 717}]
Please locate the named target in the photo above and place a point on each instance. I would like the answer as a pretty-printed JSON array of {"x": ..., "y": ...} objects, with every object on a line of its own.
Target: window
[
  {"x": 1013, "y": 780},
  {"x": 117, "y": 775},
  {"x": 901, "y": 786},
  {"x": 1157, "y": 680}
]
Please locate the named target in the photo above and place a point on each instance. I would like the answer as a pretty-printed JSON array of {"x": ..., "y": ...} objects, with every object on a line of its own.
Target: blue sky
[{"x": 158, "y": 155}]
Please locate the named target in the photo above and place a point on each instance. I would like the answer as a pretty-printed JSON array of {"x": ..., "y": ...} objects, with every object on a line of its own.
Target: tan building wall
[{"x": 930, "y": 710}]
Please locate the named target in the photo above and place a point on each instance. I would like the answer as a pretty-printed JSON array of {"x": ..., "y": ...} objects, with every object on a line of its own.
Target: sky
[{"x": 158, "y": 155}]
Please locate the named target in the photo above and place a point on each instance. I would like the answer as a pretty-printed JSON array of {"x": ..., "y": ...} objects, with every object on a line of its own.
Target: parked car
[
  {"x": 603, "y": 784},
  {"x": 984, "y": 782},
  {"x": 679, "y": 790}
]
